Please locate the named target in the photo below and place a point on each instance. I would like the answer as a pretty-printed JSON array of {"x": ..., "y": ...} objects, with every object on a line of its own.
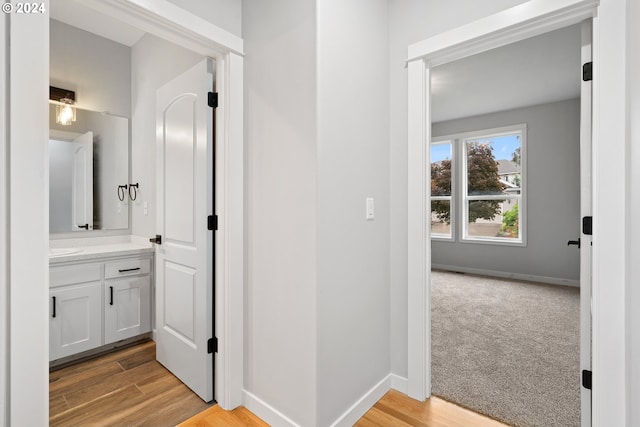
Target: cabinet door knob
[
  {"x": 110, "y": 295},
  {"x": 54, "y": 306}
]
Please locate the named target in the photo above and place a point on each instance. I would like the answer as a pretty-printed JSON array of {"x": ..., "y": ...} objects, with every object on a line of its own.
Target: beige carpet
[{"x": 507, "y": 349}]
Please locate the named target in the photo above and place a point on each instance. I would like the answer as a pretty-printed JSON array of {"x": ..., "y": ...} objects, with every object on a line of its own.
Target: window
[
  {"x": 487, "y": 190},
  {"x": 441, "y": 194}
]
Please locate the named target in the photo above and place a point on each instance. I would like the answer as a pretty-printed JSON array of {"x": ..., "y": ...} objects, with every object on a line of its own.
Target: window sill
[{"x": 494, "y": 241}]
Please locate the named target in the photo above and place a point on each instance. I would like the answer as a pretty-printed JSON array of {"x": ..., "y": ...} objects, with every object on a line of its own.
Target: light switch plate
[{"x": 370, "y": 209}]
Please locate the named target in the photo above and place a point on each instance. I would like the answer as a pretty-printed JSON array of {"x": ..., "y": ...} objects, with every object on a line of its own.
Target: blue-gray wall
[{"x": 553, "y": 196}]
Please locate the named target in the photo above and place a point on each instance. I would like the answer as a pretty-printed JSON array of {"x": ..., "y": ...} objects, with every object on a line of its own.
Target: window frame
[{"x": 459, "y": 194}]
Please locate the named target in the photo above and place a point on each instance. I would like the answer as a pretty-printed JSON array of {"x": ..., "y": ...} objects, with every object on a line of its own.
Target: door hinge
[
  {"x": 587, "y": 72},
  {"x": 212, "y": 345},
  {"x": 212, "y": 222},
  {"x": 213, "y": 99},
  {"x": 586, "y": 379},
  {"x": 587, "y": 225}
]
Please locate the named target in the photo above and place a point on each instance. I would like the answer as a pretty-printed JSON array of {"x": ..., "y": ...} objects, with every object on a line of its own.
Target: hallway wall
[
  {"x": 353, "y": 164},
  {"x": 552, "y": 193},
  {"x": 280, "y": 131},
  {"x": 316, "y": 126}
]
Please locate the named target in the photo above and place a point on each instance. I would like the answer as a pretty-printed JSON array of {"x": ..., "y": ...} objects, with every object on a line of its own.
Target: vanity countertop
[{"x": 64, "y": 254}]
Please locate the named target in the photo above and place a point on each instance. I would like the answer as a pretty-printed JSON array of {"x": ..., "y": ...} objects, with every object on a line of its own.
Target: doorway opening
[
  {"x": 505, "y": 186},
  {"x": 145, "y": 81},
  {"x": 495, "y": 31}
]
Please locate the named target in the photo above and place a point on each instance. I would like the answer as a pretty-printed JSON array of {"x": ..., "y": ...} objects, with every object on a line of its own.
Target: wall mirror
[{"x": 88, "y": 172}]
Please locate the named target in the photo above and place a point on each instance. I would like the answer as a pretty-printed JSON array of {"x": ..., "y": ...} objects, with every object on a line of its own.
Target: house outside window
[{"x": 477, "y": 193}]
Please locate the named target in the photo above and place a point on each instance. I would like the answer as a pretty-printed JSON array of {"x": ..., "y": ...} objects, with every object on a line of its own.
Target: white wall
[
  {"x": 4, "y": 201},
  {"x": 97, "y": 69},
  {"x": 353, "y": 253},
  {"x": 552, "y": 195},
  {"x": 280, "y": 201},
  {"x": 632, "y": 227},
  {"x": 409, "y": 22},
  {"x": 27, "y": 267},
  {"x": 226, "y": 14},
  {"x": 316, "y": 123},
  {"x": 154, "y": 62}
]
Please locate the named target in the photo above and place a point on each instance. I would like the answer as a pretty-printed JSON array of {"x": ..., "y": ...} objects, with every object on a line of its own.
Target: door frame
[
  {"x": 520, "y": 22},
  {"x": 174, "y": 24}
]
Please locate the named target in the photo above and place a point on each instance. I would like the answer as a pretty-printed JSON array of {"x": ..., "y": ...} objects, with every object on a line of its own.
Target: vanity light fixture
[{"x": 65, "y": 101}]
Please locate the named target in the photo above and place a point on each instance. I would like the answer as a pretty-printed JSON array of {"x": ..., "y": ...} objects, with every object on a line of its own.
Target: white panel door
[
  {"x": 184, "y": 194},
  {"x": 83, "y": 182}
]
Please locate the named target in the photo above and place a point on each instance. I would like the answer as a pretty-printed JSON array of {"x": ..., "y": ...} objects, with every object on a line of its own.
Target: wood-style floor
[
  {"x": 396, "y": 409},
  {"x": 393, "y": 410},
  {"x": 129, "y": 388},
  {"x": 124, "y": 388}
]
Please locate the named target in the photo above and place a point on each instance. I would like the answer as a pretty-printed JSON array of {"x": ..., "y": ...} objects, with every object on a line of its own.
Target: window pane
[
  {"x": 441, "y": 169},
  {"x": 493, "y": 218},
  {"x": 493, "y": 165},
  {"x": 441, "y": 218}
]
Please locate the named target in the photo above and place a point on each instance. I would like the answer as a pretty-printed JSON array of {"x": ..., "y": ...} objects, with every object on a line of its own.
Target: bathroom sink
[{"x": 53, "y": 252}]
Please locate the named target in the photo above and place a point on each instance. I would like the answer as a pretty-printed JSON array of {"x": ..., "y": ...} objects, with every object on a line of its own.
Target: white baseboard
[
  {"x": 277, "y": 419},
  {"x": 400, "y": 384},
  {"x": 266, "y": 412},
  {"x": 366, "y": 402},
  {"x": 506, "y": 275}
]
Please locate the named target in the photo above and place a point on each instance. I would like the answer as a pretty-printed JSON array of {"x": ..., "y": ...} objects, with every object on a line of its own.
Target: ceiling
[
  {"x": 535, "y": 71},
  {"x": 75, "y": 13}
]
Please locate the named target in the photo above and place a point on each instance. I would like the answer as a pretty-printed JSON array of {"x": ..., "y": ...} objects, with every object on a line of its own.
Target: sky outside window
[
  {"x": 503, "y": 146},
  {"x": 440, "y": 152}
]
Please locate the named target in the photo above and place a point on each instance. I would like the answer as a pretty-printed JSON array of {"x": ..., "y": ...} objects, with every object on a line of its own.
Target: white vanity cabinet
[
  {"x": 97, "y": 303},
  {"x": 75, "y": 309},
  {"x": 127, "y": 310}
]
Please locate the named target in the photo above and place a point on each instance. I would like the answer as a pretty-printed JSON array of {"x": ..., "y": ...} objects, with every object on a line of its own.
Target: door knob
[
  {"x": 157, "y": 240},
  {"x": 574, "y": 242}
]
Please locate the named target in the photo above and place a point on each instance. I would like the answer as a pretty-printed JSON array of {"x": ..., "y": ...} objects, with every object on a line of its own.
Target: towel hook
[
  {"x": 121, "y": 192},
  {"x": 135, "y": 191}
]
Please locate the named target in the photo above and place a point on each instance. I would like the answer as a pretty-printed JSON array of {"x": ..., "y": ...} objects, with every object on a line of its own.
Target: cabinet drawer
[
  {"x": 72, "y": 274},
  {"x": 127, "y": 267}
]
